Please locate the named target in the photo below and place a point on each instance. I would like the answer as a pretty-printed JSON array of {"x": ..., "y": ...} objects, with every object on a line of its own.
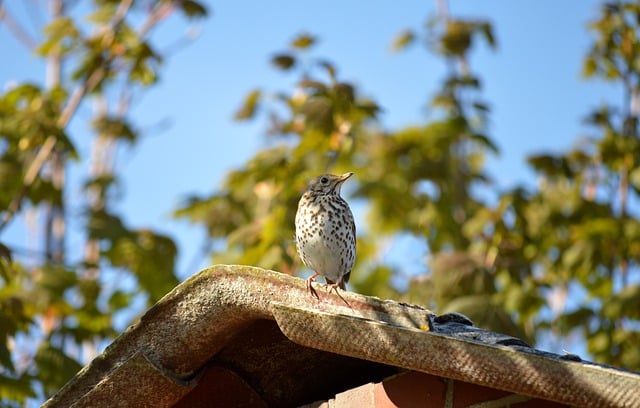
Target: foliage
[
  {"x": 320, "y": 126},
  {"x": 416, "y": 181},
  {"x": 52, "y": 306},
  {"x": 586, "y": 227},
  {"x": 561, "y": 258}
]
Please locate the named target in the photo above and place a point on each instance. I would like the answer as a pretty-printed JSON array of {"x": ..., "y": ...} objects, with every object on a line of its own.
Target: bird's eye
[{"x": 324, "y": 180}]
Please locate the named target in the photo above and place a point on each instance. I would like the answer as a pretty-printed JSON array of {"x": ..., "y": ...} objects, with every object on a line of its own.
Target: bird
[{"x": 326, "y": 232}]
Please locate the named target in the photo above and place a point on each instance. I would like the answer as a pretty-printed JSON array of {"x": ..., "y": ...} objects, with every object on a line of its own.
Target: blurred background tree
[
  {"x": 57, "y": 305},
  {"x": 545, "y": 262},
  {"x": 565, "y": 255},
  {"x": 583, "y": 226},
  {"x": 539, "y": 263}
]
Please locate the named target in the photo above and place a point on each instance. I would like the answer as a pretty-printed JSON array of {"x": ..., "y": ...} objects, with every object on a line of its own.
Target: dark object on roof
[{"x": 243, "y": 336}]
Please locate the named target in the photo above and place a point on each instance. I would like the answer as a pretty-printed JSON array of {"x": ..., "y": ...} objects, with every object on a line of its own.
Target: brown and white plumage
[{"x": 326, "y": 231}]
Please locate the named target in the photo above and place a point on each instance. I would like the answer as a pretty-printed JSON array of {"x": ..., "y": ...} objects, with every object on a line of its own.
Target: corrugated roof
[{"x": 256, "y": 337}]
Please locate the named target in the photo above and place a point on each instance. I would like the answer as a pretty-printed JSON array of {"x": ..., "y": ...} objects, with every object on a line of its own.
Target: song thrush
[{"x": 326, "y": 232}]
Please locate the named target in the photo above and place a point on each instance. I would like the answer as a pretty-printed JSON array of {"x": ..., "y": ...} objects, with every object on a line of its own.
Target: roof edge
[
  {"x": 515, "y": 369},
  {"x": 190, "y": 324}
]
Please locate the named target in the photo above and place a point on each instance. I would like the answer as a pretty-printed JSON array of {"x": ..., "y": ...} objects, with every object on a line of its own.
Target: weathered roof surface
[{"x": 245, "y": 335}]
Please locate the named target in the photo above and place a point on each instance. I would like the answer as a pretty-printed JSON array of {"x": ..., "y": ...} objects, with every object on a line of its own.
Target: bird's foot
[
  {"x": 333, "y": 287},
  {"x": 310, "y": 288}
]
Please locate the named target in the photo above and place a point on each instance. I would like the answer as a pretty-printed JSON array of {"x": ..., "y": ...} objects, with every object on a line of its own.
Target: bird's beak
[
  {"x": 341, "y": 180},
  {"x": 344, "y": 177}
]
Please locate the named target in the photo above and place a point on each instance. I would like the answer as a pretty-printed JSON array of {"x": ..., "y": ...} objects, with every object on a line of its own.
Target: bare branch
[
  {"x": 16, "y": 29},
  {"x": 159, "y": 13},
  {"x": 72, "y": 105}
]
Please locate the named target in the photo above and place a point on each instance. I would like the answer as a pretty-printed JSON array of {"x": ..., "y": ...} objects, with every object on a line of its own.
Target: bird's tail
[{"x": 342, "y": 283}]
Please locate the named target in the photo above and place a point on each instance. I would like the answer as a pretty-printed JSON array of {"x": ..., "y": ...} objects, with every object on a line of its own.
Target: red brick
[{"x": 412, "y": 389}]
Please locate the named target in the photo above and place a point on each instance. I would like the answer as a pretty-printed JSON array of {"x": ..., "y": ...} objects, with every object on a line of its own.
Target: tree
[
  {"x": 56, "y": 303},
  {"x": 582, "y": 225},
  {"x": 558, "y": 258},
  {"x": 416, "y": 181},
  {"x": 511, "y": 262}
]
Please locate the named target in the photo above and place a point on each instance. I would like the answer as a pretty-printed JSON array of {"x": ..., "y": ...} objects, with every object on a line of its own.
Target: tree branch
[
  {"x": 159, "y": 13},
  {"x": 72, "y": 106},
  {"x": 16, "y": 29}
]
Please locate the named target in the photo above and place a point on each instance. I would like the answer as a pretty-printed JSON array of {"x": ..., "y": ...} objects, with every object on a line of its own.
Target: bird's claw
[
  {"x": 310, "y": 288},
  {"x": 334, "y": 288}
]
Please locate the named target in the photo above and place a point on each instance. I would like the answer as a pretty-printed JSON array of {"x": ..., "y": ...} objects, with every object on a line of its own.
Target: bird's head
[{"x": 328, "y": 184}]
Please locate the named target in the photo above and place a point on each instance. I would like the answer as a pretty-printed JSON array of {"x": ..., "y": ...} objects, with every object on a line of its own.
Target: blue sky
[{"x": 532, "y": 83}]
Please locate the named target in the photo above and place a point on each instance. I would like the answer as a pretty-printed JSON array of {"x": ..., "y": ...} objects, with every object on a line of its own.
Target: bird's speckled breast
[{"x": 325, "y": 236}]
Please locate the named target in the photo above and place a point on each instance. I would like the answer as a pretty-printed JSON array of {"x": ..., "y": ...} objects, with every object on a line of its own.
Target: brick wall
[{"x": 419, "y": 390}]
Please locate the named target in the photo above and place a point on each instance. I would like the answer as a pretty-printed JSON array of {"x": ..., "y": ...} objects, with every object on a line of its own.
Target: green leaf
[
  {"x": 589, "y": 67},
  {"x": 551, "y": 165},
  {"x": 303, "y": 41},
  {"x": 119, "y": 300},
  {"x": 403, "y": 40},
  {"x": 369, "y": 108},
  {"x": 56, "y": 280},
  {"x": 318, "y": 112},
  {"x": 625, "y": 304},
  {"x": 61, "y": 27},
  {"x": 193, "y": 9},
  {"x": 487, "y": 31},
  {"x": 43, "y": 191},
  {"x": 600, "y": 342},
  {"x": 7, "y": 331},
  {"x": 483, "y": 107},
  {"x": 316, "y": 86},
  {"x": 456, "y": 39},
  {"x": 104, "y": 14},
  {"x": 17, "y": 389},
  {"x": 249, "y": 106},
  {"x": 61, "y": 36},
  {"x": 101, "y": 183},
  {"x": 115, "y": 127},
  {"x": 150, "y": 256},
  {"x": 5, "y": 262},
  {"x": 582, "y": 316},
  {"x": 283, "y": 61},
  {"x": 102, "y": 225},
  {"x": 92, "y": 323},
  {"x": 634, "y": 178},
  {"x": 329, "y": 67},
  {"x": 55, "y": 367}
]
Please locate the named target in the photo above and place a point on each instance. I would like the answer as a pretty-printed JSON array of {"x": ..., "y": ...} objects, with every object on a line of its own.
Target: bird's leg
[
  {"x": 310, "y": 288},
  {"x": 334, "y": 287}
]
